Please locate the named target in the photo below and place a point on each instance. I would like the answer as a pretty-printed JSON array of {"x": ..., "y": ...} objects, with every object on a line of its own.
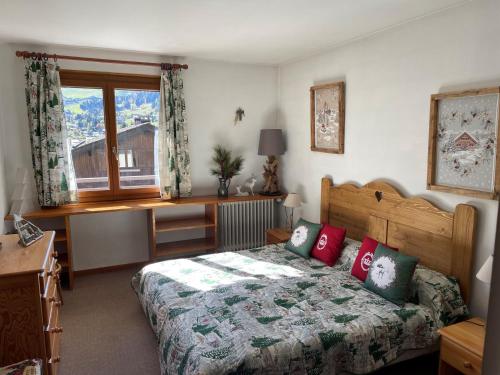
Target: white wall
[
  {"x": 213, "y": 92},
  {"x": 389, "y": 79}
]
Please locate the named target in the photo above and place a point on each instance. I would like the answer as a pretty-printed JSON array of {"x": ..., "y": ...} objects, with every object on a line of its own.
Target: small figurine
[
  {"x": 241, "y": 193},
  {"x": 250, "y": 183}
]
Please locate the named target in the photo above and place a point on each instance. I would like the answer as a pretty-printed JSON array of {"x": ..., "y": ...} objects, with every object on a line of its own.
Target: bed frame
[{"x": 444, "y": 241}]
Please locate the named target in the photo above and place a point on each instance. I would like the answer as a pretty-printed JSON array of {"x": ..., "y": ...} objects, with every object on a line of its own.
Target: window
[{"x": 112, "y": 122}]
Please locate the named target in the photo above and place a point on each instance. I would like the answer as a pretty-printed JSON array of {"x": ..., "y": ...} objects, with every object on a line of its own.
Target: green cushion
[
  {"x": 303, "y": 238},
  {"x": 390, "y": 274}
]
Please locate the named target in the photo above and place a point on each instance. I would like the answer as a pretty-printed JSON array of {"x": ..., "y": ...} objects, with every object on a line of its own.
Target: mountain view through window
[{"x": 136, "y": 113}]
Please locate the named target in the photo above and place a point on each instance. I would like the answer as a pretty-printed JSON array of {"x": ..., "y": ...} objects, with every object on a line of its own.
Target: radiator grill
[{"x": 243, "y": 225}]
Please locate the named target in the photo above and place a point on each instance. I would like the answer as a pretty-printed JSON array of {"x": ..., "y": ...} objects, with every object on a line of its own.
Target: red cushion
[
  {"x": 365, "y": 256},
  {"x": 329, "y": 244}
]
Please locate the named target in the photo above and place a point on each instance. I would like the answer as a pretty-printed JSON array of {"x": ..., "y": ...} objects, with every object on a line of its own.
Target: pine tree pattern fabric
[
  {"x": 441, "y": 293},
  {"x": 261, "y": 311},
  {"x": 173, "y": 140},
  {"x": 50, "y": 149}
]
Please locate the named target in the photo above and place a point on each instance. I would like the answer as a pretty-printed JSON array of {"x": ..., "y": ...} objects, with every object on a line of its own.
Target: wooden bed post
[
  {"x": 326, "y": 184},
  {"x": 464, "y": 235}
]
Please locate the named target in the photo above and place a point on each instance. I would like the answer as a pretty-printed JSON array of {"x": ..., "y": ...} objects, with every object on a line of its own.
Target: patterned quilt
[{"x": 268, "y": 311}]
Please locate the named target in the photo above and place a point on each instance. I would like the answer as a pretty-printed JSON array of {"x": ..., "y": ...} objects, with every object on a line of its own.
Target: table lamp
[
  {"x": 484, "y": 273},
  {"x": 292, "y": 201},
  {"x": 271, "y": 144}
]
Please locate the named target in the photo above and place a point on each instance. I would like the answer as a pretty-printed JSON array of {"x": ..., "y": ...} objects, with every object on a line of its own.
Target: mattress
[{"x": 268, "y": 311}]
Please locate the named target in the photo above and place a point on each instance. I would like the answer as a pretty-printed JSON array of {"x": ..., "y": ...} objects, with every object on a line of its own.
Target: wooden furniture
[
  {"x": 277, "y": 235},
  {"x": 172, "y": 249},
  {"x": 443, "y": 241},
  {"x": 29, "y": 302},
  {"x": 462, "y": 347},
  {"x": 185, "y": 247}
]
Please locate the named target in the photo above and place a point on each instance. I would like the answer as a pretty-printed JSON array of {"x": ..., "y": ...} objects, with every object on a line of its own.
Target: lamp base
[
  {"x": 271, "y": 182},
  {"x": 270, "y": 194}
]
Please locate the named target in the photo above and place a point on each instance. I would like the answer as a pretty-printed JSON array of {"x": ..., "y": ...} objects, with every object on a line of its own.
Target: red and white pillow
[
  {"x": 329, "y": 244},
  {"x": 365, "y": 256}
]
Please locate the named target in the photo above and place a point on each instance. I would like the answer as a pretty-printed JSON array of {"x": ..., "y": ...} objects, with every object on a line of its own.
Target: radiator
[{"x": 243, "y": 225}]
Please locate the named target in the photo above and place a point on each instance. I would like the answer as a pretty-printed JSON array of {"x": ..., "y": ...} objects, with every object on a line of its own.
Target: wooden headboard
[{"x": 444, "y": 241}]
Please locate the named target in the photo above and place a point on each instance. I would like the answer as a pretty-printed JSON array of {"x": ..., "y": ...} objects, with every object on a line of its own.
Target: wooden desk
[
  {"x": 462, "y": 347},
  {"x": 208, "y": 221},
  {"x": 29, "y": 302}
]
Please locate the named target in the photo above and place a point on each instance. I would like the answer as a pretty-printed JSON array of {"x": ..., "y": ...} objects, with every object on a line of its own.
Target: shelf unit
[{"x": 185, "y": 247}]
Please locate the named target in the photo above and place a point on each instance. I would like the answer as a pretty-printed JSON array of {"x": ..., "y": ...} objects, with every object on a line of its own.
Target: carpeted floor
[{"x": 106, "y": 332}]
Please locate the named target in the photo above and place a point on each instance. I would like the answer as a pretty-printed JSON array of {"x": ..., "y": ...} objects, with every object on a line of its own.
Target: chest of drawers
[{"x": 29, "y": 302}]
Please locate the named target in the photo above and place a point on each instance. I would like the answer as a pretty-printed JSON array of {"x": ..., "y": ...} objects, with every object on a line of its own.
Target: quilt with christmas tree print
[{"x": 269, "y": 311}]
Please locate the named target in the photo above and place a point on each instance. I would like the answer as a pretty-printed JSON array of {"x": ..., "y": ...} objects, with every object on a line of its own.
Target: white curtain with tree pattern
[{"x": 51, "y": 154}]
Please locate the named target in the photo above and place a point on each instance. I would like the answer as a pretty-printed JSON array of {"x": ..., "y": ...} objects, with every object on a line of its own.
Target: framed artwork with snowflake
[
  {"x": 463, "y": 143},
  {"x": 328, "y": 117}
]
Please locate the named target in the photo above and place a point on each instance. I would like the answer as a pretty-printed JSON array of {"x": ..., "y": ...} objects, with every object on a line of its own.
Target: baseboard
[{"x": 118, "y": 267}]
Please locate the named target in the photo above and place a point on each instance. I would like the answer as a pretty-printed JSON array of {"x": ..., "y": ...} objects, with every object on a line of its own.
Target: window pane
[
  {"x": 137, "y": 114},
  {"x": 84, "y": 111}
]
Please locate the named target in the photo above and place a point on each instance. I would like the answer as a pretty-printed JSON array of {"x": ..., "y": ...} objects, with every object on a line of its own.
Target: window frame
[{"x": 108, "y": 83}]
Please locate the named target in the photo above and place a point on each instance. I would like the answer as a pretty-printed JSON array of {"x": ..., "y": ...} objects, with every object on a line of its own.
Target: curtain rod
[{"x": 40, "y": 56}]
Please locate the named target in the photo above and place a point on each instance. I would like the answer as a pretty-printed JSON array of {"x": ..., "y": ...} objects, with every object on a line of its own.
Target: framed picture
[
  {"x": 463, "y": 143},
  {"x": 328, "y": 117}
]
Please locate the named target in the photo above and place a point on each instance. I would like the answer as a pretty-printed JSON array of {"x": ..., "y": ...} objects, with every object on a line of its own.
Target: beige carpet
[{"x": 105, "y": 330}]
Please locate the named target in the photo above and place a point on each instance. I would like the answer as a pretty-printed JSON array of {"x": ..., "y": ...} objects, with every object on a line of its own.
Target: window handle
[{"x": 115, "y": 153}]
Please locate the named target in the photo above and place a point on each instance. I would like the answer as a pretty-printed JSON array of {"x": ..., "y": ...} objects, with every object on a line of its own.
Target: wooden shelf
[
  {"x": 183, "y": 224},
  {"x": 60, "y": 235},
  {"x": 182, "y": 248},
  {"x": 134, "y": 205}
]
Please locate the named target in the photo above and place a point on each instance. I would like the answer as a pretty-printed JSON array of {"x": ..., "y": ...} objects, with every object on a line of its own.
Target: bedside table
[
  {"x": 462, "y": 347},
  {"x": 277, "y": 235}
]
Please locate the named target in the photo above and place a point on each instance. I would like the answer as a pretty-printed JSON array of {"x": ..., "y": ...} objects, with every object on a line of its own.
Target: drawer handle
[
  {"x": 56, "y": 330},
  {"x": 55, "y": 255},
  {"x": 52, "y": 299},
  {"x": 55, "y": 360},
  {"x": 467, "y": 364},
  {"x": 57, "y": 303}
]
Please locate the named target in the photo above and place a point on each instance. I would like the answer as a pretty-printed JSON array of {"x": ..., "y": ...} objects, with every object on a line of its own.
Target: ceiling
[{"x": 250, "y": 31}]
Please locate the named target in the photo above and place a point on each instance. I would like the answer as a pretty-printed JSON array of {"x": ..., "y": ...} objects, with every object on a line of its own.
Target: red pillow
[
  {"x": 329, "y": 244},
  {"x": 365, "y": 257}
]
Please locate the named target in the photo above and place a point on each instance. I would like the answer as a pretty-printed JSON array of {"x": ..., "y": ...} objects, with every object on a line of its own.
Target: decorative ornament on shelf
[
  {"x": 271, "y": 144},
  {"x": 250, "y": 183},
  {"x": 226, "y": 168},
  {"x": 292, "y": 201},
  {"x": 484, "y": 273},
  {"x": 240, "y": 113},
  {"x": 21, "y": 199},
  {"x": 240, "y": 193}
]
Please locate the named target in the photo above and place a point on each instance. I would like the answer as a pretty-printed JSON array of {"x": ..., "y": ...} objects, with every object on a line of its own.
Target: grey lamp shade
[{"x": 271, "y": 142}]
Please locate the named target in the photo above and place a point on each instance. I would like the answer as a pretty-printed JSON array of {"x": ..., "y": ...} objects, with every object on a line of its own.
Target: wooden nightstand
[
  {"x": 277, "y": 235},
  {"x": 462, "y": 348}
]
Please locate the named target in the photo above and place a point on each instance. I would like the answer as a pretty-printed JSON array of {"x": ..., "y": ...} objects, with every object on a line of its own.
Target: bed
[{"x": 266, "y": 310}]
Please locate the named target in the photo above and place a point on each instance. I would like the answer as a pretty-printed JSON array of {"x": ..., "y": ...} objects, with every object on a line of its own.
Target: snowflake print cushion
[
  {"x": 390, "y": 274},
  {"x": 303, "y": 238},
  {"x": 329, "y": 244}
]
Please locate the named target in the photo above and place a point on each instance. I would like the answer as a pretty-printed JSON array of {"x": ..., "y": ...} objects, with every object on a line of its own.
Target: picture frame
[
  {"x": 328, "y": 117},
  {"x": 463, "y": 149}
]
